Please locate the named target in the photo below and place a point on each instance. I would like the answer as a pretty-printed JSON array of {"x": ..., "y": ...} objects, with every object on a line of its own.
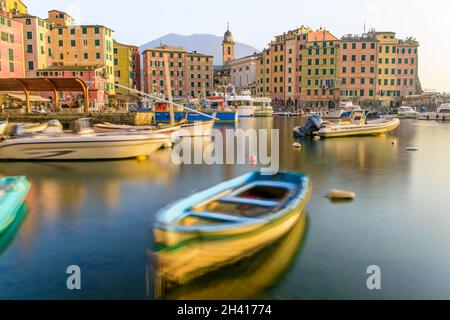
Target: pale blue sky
[{"x": 255, "y": 22}]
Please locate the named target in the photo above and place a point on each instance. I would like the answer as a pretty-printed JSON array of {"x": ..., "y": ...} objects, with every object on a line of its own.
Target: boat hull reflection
[{"x": 248, "y": 279}]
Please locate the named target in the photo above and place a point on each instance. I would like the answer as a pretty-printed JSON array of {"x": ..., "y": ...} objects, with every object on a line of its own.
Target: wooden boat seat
[
  {"x": 248, "y": 201},
  {"x": 218, "y": 217}
]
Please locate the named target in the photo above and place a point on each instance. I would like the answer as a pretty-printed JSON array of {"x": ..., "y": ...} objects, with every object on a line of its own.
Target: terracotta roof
[{"x": 320, "y": 35}]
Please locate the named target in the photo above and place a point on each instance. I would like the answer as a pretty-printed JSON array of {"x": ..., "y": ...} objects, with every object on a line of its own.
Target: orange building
[
  {"x": 191, "y": 73},
  {"x": 358, "y": 67}
]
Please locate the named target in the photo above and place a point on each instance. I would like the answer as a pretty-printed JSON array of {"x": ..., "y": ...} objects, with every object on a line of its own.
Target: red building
[
  {"x": 11, "y": 47},
  {"x": 136, "y": 65},
  {"x": 92, "y": 75}
]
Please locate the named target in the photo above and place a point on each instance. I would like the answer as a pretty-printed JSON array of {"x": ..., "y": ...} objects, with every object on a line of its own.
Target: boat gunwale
[{"x": 180, "y": 208}]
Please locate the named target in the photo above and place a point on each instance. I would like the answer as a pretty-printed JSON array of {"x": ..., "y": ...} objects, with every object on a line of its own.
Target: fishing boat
[
  {"x": 13, "y": 191},
  {"x": 263, "y": 107},
  {"x": 358, "y": 126},
  {"x": 227, "y": 223},
  {"x": 406, "y": 112},
  {"x": 209, "y": 107},
  {"x": 442, "y": 113},
  {"x": 85, "y": 144}
]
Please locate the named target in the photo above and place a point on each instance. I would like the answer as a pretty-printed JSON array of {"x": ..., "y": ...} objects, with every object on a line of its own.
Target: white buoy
[
  {"x": 296, "y": 145},
  {"x": 341, "y": 195}
]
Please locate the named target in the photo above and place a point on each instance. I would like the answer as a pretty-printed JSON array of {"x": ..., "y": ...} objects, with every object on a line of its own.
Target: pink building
[
  {"x": 136, "y": 65},
  {"x": 407, "y": 68},
  {"x": 37, "y": 44},
  {"x": 11, "y": 47},
  {"x": 93, "y": 76}
]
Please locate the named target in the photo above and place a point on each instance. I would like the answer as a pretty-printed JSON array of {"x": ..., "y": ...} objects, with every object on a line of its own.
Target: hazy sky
[{"x": 255, "y": 22}]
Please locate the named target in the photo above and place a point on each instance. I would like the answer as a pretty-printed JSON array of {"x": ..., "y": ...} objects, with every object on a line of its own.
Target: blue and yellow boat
[
  {"x": 227, "y": 223},
  {"x": 13, "y": 191}
]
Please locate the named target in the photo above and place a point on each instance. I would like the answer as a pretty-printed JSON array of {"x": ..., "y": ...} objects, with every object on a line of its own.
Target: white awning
[{"x": 33, "y": 98}]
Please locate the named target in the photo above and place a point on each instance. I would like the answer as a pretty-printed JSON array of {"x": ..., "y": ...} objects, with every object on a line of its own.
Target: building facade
[
  {"x": 358, "y": 67},
  {"x": 15, "y": 7},
  {"x": 136, "y": 67},
  {"x": 85, "y": 45},
  {"x": 123, "y": 68},
  {"x": 92, "y": 75},
  {"x": 11, "y": 47},
  {"x": 316, "y": 69},
  {"x": 243, "y": 73},
  {"x": 37, "y": 44},
  {"x": 191, "y": 73}
]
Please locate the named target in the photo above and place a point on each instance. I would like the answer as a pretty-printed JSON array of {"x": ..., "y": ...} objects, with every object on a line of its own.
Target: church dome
[{"x": 228, "y": 36}]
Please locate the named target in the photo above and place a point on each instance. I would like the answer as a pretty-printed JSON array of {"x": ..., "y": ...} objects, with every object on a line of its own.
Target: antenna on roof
[{"x": 364, "y": 27}]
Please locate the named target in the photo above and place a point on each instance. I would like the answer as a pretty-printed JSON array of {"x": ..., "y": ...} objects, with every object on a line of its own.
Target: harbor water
[{"x": 98, "y": 216}]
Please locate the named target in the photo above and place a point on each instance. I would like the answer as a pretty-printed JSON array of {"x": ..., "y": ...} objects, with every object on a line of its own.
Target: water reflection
[{"x": 247, "y": 279}]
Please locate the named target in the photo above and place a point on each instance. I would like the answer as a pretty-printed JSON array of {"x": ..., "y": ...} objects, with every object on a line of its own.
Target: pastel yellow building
[
  {"x": 123, "y": 66},
  {"x": 84, "y": 45},
  {"x": 387, "y": 65},
  {"x": 15, "y": 7},
  {"x": 319, "y": 68}
]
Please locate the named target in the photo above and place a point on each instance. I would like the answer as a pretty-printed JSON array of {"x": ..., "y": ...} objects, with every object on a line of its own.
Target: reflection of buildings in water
[
  {"x": 247, "y": 279},
  {"x": 372, "y": 152},
  {"x": 62, "y": 188}
]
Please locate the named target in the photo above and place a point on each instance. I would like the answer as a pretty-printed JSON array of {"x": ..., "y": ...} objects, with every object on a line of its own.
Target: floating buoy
[
  {"x": 341, "y": 195},
  {"x": 412, "y": 149},
  {"x": 253, "y": 160},
  {"x": 394, "y": 143},
  {"x": 141, "y": 158},
  {"x": 297, "y": 145},
  {"x": 168, "y": 145}
]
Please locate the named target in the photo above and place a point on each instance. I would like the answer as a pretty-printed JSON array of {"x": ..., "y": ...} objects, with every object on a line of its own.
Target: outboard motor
[
  {"x": 313, "y": 124},
  {"x": 15, "y": 130}
]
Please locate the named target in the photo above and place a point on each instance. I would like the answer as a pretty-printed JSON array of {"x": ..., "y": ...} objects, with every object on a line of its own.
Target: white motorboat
[
  {"x": 85, "y": 144},
  {"x": 442, "y": 113},
  {"x": 243, "y": 104},
  {"x": 357, "y": 125},
  {"x": 406, "y": 112},
  {"x": 343, "y": 112},
  {"x": 263, "y": 107}
]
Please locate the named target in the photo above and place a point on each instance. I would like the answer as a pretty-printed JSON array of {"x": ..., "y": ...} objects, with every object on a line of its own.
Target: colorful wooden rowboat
[
  {"x": 227, "y": 223},
  {"x": 13, "y": 191}
]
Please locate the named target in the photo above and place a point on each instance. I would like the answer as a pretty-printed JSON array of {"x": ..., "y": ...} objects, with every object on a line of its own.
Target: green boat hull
[{"x": 13, "y": 191}]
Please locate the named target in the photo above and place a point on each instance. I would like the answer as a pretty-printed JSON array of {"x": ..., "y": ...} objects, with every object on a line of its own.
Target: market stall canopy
[
  {"x": 33, "y": 98},
  {"x": 55, "y": 85}
]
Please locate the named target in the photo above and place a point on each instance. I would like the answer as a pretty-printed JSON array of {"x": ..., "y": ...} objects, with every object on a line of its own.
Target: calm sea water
[{"x": 98, "y": 215}]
